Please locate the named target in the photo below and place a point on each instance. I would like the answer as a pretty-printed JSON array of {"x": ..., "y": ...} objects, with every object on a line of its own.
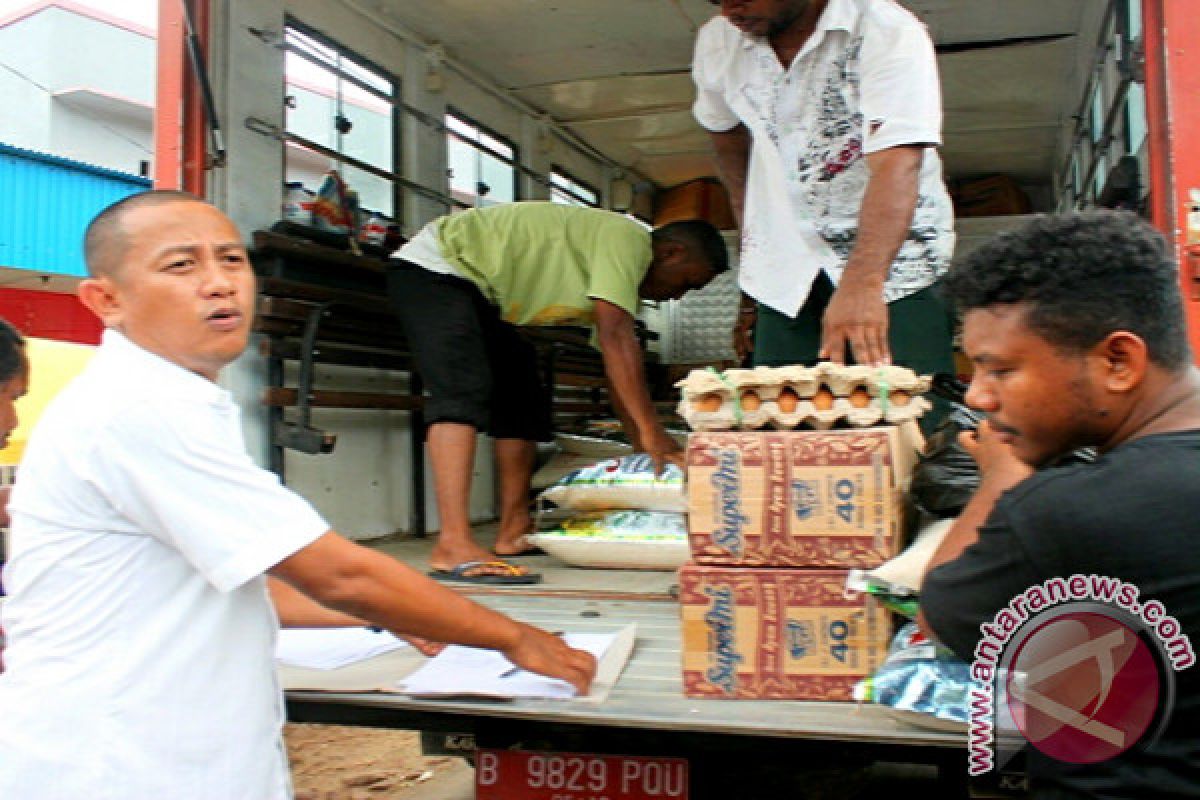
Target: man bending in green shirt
[{"x": 461, "y": 287}]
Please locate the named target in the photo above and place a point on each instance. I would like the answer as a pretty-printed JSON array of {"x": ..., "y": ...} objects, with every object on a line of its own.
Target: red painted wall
[
  {"x": 1172, "y": 31},
  {"x": 50, "y": 315}
]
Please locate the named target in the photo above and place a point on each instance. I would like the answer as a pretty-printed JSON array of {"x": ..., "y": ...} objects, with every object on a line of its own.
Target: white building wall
[
  {"x": 58, "y": 53},
  {"x": 120, "y": 141},
  {"x": 24, "y": 48},
  {"x": 89, "y": 52}
]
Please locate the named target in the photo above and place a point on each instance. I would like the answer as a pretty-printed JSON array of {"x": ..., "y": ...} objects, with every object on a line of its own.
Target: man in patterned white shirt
[{"x": 825, "y": 115}]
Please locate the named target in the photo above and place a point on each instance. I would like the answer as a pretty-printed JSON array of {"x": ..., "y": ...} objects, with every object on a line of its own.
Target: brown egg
[
  {"x": 859, "y": 398},
  {"x": 707, "y": 402},
  {"x": 751, "y": 401},
  {"x": 899, "y": 399},
  {"x": 823, "y": 399},
  {"x": 788, "y": 400}
]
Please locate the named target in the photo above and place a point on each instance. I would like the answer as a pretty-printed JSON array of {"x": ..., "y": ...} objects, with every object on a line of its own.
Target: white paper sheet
[
  {"x": 330, "y": 648},
  {"x": 466, "y": 671}
]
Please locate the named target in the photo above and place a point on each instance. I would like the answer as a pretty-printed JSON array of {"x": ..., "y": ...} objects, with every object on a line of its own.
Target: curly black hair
[
  {"x": 700, "y": 236},
  {"x": 1082, "y": 276},
  {"x": 12, "y": 351}
]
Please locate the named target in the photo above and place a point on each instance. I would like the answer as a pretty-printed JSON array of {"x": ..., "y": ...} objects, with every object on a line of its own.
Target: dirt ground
[{"x": 334, "y": 762}]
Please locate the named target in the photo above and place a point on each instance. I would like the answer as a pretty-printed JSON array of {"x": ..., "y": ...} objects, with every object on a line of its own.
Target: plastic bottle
[{"x": 374, "y": 229}]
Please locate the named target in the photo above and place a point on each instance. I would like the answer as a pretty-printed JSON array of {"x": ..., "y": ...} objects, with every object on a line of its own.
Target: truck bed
[{"x": 648, "y": 696}]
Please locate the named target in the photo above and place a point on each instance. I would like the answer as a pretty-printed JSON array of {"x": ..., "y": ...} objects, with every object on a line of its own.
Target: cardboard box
[
  {"x": 995, "y": 195},
  {"x": 777, "y": 633},
  {"x": 703, "y": 198},
  {"x": 797, "y": 498}
]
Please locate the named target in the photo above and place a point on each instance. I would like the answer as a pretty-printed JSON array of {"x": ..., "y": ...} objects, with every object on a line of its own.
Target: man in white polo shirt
[
  {"x": 140, "y": 633},
  {"x": 825, "y": 116}
]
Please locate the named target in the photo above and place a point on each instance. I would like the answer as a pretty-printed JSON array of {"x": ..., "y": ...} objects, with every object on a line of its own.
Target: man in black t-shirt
[{"x": 1074, "y": 325}]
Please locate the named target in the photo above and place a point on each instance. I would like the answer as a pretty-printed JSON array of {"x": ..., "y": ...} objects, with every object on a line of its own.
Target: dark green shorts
[{"x": 920, "y": 334}]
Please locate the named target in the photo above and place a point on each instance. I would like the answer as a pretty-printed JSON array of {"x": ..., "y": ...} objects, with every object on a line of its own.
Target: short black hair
[
  {"x": 12, "y": 351},
  {"x": 1081, "y": 277},
  {"x": 701, "y": 237},
  {"x": 104, "y": 240}
]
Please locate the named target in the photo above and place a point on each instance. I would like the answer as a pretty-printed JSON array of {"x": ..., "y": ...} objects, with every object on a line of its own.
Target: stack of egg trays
[{"x": 793, "y": 397}]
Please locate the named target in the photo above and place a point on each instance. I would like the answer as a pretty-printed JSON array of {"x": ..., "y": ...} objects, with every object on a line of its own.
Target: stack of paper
[
  {"x": 331, "y": 648},
  {"x": 357, "y": 660},
  {"x": 467, "y": 671}
]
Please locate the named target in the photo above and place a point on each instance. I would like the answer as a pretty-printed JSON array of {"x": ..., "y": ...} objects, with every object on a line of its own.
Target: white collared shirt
[
  {"x": 865, "y": 81},
  {"x": 140, "y": 634}
]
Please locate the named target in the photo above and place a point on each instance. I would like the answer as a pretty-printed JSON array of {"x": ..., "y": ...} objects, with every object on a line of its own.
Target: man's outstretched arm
[{"x": 370, "y": 586}]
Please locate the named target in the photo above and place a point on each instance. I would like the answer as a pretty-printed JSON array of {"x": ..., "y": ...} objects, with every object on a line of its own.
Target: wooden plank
[
  {"x": 277, "y": 397},
  {"x": 571, "y": 337},
  {"x": 582, "y": 408},
  {"x": 290, "y": 349},
  {"x": 268, "y": 243},
  {"x": 571, "y": 379},
  {"x": 284, "y": 308},
  {"x": 563, "y": 387},
  {"x": 342, "y": 330},
  {"x": 579, "y": 366},
  {"x": 317, "y": 293},
  {"x": 345, "y": 315},
  {"x": 384, "y": 340},
  {"x": 283, "y": 398}
]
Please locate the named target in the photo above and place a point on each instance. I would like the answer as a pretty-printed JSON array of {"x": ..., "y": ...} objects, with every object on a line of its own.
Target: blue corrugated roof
[{"x": 46, "y": 203}]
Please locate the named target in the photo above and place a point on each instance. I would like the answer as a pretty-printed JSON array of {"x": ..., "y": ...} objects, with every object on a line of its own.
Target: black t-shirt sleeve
[{"x": 960, "y": 595}]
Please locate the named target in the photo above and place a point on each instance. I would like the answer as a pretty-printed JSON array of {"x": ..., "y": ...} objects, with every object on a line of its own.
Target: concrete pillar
[
  {"x": 536, "y": 146},
  {"x": 423, "y": 146},
  {"x": 248, "y": 82}
]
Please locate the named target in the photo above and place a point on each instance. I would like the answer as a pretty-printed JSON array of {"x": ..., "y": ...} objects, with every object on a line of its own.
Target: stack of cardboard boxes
[{"x": 775, "y": 520}]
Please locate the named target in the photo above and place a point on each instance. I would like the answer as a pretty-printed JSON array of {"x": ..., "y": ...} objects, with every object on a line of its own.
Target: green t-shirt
[{"x": 544, "y": 263}]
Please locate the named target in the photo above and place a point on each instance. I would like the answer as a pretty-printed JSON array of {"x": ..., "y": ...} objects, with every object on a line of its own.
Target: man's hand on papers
[
  {"x": 424, "y": 646},
  {"x": 547, "y": 654}
]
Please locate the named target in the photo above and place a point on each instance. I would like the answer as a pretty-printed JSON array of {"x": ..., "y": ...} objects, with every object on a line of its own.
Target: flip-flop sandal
[
  {"x": 460, "y": 574},
  {"x": 533, "y": 551}
]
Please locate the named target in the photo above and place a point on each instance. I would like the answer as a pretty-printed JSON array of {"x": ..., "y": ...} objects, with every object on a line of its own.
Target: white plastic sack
[
  {"x": 652, "y": 540},
  {"x": 903, "y": 574},
  {"x": 620, "y": 483}
]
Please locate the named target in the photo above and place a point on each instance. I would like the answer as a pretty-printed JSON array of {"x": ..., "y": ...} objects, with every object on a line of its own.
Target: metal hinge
[{"x": 264, "y": 128}]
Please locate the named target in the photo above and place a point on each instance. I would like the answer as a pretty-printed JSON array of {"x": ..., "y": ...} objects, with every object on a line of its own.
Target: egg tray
[{"x": 791, "y": 397}]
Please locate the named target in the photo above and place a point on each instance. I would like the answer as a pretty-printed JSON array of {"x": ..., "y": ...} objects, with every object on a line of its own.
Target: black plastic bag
[{"x": 946, "y": 476}]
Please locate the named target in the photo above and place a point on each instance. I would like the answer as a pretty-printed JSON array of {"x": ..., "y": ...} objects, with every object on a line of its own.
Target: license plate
[{"x": 524, "y": 775}]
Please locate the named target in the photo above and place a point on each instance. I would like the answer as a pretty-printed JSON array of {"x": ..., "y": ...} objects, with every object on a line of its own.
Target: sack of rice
[
  {"x": 651, "y": 540},
  {"x": 628, "y": 482}
]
